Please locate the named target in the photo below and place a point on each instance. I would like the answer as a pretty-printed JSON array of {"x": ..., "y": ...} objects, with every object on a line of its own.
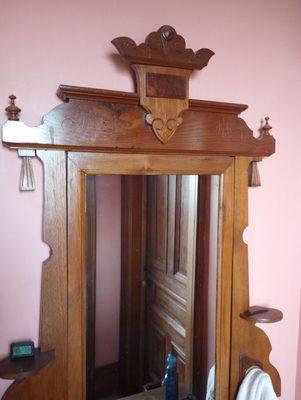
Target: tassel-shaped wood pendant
[
  {"x": 254, "y": 177},
  {"x": 27, "y": 181}
]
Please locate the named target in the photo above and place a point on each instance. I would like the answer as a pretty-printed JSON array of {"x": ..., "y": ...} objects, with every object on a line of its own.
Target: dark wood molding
[
  {"x": 67, "y": 93},
  {"x": 91, "y": 283},
  {"x": 132, "y": 289},
  {"x": 201, "y": 290}
]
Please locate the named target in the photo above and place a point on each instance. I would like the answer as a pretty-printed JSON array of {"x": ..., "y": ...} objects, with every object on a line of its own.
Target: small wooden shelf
[
  {"x": 20, "y": 368},
  {"x": 262, "y": 314}
]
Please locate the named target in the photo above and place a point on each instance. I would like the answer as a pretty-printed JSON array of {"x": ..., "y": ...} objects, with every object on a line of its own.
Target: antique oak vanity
[{"x": 156, "y": 135}]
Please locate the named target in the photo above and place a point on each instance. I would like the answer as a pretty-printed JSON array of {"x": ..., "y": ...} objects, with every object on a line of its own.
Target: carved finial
[
  {"x": 12, "y": 110},
  {"x": 167, "y": 32},
  {"x": 266, "y": 127}
]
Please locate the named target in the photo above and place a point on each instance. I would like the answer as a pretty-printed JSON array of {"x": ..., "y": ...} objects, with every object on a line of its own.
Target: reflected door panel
[
  {"x": 151, "y": 262},
  {"x": 170, "y": 253}
]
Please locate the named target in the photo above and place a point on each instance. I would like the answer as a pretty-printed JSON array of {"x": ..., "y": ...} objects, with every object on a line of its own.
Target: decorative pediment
[
  {"x": 165, "y": 48},
  {"x": 163, "y": 66}
]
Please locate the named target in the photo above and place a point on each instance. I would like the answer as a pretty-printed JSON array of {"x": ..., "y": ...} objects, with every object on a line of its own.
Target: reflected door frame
[
  {"x": 82, "y": 164},
  {"x": 133, "y": 371}
]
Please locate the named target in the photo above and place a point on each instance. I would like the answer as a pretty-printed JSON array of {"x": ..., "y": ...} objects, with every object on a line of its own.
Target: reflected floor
[{"x": 114, "y": 396}]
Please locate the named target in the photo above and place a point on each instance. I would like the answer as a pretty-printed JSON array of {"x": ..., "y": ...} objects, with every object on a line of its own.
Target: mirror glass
[{"x": 151, "y": 261}]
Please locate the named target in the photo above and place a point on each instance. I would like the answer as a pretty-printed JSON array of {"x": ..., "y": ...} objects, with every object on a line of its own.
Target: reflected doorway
[{"x": 151, "y": 282}]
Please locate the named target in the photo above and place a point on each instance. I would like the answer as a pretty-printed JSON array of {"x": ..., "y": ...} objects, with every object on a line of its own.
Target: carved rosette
[{"x": 163, "y": 66}]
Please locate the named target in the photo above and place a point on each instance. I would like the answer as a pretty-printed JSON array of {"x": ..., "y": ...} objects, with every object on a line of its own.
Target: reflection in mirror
[{"x": 151, "y": 260}]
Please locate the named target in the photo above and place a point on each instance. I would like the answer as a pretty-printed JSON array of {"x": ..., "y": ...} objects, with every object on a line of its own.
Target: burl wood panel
[
  {"x": 113, "y": 121},
  {"x": 166, "y": 86},
  {"x": 51, "y": 382}
]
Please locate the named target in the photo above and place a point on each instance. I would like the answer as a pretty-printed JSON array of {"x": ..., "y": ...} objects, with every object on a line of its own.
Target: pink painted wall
[
  {"x": 108, "y": 267},
  {"x": 258, "y": 61},
  {"x": 298, "y": 380}
]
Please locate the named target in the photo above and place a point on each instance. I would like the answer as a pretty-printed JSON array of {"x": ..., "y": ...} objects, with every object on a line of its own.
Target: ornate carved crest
[
  {"x": 163, "y": 66},
  {"x": 165, "y": 48}
]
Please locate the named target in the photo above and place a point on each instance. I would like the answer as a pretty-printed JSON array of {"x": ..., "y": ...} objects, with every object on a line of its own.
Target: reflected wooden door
[{"x": 170, "y": 271}]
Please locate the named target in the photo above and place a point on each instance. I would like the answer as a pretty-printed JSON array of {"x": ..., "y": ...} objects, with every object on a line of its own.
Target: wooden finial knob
[
  {"x": 167, "y": 32},
  {"x": 12, "y": 110},
  {"x": 266, "y": 127}
]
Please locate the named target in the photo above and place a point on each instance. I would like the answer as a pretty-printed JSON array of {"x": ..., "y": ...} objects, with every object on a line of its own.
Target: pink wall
[
  {"x": 298, "y": 380},
  {"x": 257, "y": 61},
  {"x": 108, "y": 267}
]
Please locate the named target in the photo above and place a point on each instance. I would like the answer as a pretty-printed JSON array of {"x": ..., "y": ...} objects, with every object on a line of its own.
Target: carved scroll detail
[
  {"x": 164, "y": 47},
  {"x": 27, "y": 181},
  {"x": 163, "y": 127},
  {"x": 159, "y": 96}
]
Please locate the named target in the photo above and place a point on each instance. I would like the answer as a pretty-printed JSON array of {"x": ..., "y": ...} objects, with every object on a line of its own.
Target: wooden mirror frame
[{"x": 100, "y": 131}]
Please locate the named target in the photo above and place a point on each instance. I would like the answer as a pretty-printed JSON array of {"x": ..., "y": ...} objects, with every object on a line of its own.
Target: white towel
[
  {"x": 256, "y": 385},
  {"x": 210, "y": 394}
]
